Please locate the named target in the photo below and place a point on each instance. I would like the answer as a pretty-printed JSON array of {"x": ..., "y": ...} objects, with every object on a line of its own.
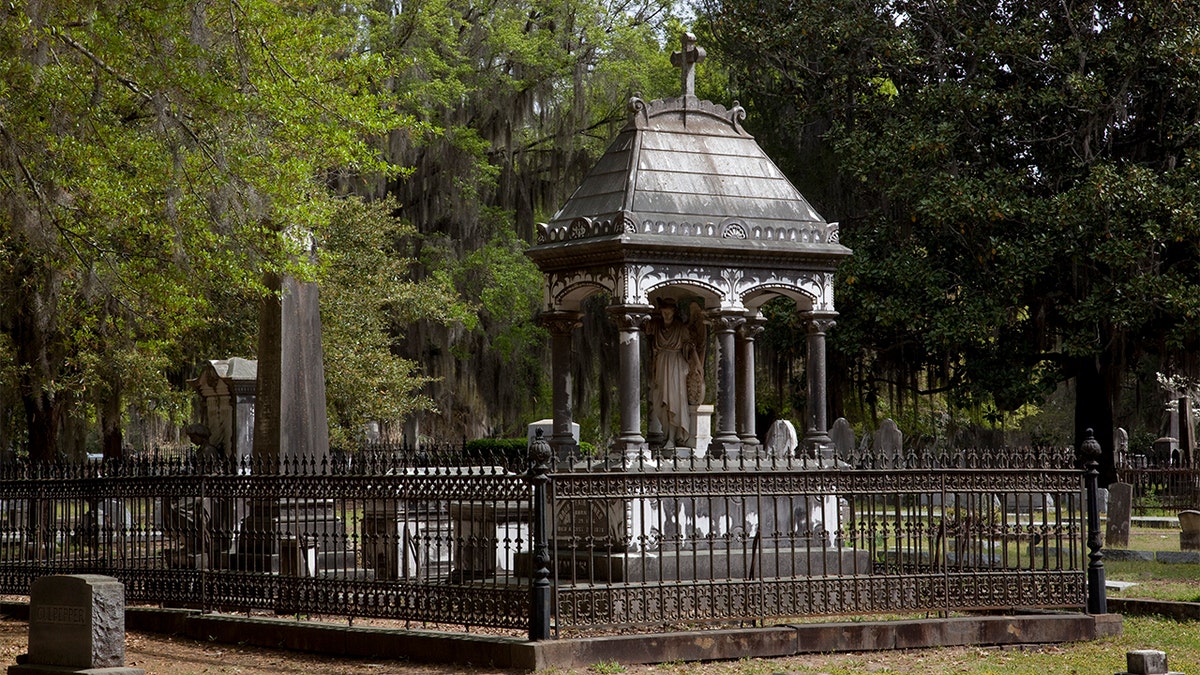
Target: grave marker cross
[{"x": 686, "y": 59}]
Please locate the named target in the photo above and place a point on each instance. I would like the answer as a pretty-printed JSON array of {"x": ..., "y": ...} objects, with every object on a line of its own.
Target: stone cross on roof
[{"x": 686, "y": 60}]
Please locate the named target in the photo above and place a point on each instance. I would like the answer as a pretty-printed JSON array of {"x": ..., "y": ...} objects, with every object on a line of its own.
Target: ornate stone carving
[
  {"x": 626, "y": 222},
  {"x": 733, "y": 231},
  {"x": 580, "y": 227},
  {"x": 821, "y": 324},
  {"x": 725, "y": 322},
  {"x": 629, "y": 318},
  {"x": 561, "y": 323}
]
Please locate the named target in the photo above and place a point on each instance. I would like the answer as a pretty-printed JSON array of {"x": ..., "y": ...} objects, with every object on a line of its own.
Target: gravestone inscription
[{"x": 76, "y": 625}]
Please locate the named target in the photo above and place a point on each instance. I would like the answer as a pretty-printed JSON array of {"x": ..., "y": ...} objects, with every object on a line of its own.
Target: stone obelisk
[
  {"x": 290, "y": 419},
  {"x": 293, "y": 535}
]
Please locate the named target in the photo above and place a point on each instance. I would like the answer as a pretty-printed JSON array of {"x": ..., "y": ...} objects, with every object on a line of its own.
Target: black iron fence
[
  {"x": 444, "y": 537},
  {"x": 1162, "y": 491}
]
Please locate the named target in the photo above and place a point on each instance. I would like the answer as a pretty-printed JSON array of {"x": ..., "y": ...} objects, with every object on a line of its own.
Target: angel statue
[{"x": 677, "y": 369}]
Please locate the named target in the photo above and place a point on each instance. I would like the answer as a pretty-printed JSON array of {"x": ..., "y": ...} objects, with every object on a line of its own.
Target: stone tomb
[
  {"x": 455, "y": 540},
  {"x": 686, "y": 538},
  {"x": 76, "y": 625}
]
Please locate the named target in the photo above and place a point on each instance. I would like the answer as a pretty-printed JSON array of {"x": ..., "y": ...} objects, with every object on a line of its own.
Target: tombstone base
[{"x": 35, "y": 669}]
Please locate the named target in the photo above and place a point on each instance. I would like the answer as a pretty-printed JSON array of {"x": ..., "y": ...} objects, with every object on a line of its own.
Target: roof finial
[{"x": 686, "y": 60}]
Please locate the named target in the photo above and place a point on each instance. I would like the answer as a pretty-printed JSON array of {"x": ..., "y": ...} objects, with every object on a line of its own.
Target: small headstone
[
  {"x": 1121, "y": 448},
  {"x": 76, "y": 623},
  {"x": 1146, "y": 662},
  {"x": 1120, "y": 505},
  {"x": 1189, "y": 530},
  {"x": 782, "y": 439},
  {"x": 889, "y": 442},
  {"x": 843, "y": 437},
  {"x": 1032, "y": 502}
]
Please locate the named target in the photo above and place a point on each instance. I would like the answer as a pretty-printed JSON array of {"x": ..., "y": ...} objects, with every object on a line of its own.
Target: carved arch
[
  {"x": 757, "y": 296},
  {"x": 571, "y": 295}
]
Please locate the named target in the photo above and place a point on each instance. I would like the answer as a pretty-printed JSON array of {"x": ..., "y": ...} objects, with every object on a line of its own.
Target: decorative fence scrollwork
[{"x": 444, "y": 538}]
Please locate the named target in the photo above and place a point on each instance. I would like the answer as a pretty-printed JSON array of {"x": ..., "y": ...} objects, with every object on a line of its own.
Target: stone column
[
  {"x": 561, "y": 324},
  {"x": 725, "y": 326},
  {"x": 746, "y": 425},
  {"x": 630, "y": 320},
  {"x": 817, "y": 436}
]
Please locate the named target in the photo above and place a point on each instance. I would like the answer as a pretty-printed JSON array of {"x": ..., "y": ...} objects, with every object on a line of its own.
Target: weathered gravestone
[
  {"x": 889, "y": 445},
  {"x": 843, "y": 438},
  {"x": 1147, "y": 662},
  {"x": 1189, "y": 530},
  {"x": 1120, "y": 505},
  {"x": 291, "y": 431},
  {"x": 782, "y": 439},
  {"x": 76, "y": 625}
]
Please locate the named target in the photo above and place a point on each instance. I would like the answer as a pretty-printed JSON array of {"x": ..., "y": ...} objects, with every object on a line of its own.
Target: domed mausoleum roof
[{"x": 687, "y": 197}]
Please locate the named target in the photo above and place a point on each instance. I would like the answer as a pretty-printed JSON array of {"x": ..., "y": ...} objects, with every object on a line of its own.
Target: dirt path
[{"x": 165, "y": 655}]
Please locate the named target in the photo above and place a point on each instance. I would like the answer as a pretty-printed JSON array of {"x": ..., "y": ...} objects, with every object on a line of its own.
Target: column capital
[
  {"x": 820, "y": 322},
  {"x": 753, "y": 327},
  {"x": 629, "y": 317},
  {"x": 724, "y": 321},
  {"x": 561, "y": 322}
]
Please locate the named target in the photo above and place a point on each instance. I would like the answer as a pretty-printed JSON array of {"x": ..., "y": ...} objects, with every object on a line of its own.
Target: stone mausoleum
[{"x": 685, "y": 209}]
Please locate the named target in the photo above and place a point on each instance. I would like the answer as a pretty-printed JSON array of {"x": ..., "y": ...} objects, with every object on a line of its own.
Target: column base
[
  {"x": 819, "y": 444},
  {"x": 565, "y": 447},
  {"x": 729, "y": 447},
  {"x": 632, "y": 447}
]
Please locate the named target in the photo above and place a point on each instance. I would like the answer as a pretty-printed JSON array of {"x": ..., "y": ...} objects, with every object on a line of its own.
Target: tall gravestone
[
  {"x": 1120, "y": 508},
  {"x": 290, "y": 419},
  {"x": 291, "y": 426}
]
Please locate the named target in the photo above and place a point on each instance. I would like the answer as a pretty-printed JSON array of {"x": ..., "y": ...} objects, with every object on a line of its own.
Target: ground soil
[{"x": 167, "y": 655}]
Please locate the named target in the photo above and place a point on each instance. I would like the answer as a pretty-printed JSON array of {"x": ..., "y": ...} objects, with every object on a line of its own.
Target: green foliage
[
  {"x": 607, "y": 667},
  {"x": 154, "y": 159},
  {"x": 514, "y": 451},
  {"x": 1016, "y": 181},
  {"x": 367, "y": 300},
  {"x": 516, "y": 102}
]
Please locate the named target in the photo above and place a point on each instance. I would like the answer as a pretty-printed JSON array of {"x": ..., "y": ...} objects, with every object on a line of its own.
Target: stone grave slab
[{"x": 76, "y": 625}]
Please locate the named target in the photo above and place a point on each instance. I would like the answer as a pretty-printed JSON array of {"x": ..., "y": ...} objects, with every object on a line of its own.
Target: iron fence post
[
  {"x": 539, "y": 597},
  {"x": 1097, "y": 603}
]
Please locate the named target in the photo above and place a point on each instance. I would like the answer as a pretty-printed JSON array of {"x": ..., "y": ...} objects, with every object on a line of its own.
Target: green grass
[
  {"x": 1180, "y": 641},
  {"x": 1153, "y": 540},
  {"x": 1156, "y": 581}
]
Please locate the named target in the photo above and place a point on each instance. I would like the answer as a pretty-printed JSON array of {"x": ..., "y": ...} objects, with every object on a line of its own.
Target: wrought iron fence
[
  {"x": 692, "y": 541},
  {"x": 428, "y": 537},
  {"x": 444, "y": 537},
  {"x": 1162, "y": 490}
]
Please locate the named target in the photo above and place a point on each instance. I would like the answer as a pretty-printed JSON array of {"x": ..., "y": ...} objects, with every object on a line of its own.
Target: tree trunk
[
  {"x": 111, "y": 437},
  {"x": 1094, "y": 395}
]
